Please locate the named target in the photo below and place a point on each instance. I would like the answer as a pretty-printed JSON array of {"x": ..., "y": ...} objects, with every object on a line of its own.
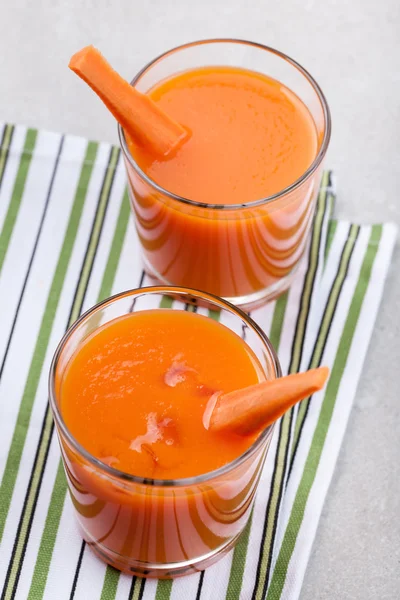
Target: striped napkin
[{"x": 66, "y": 242}]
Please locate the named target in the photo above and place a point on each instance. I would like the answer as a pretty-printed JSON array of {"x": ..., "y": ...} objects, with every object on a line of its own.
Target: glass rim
[
  {"x": 254, "y": 203},
  {"x": 128, "y": 477}
]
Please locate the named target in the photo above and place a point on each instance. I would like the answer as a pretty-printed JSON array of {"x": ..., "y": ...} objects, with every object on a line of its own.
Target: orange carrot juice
[
  {"x": 134, "y": 394},
  {"x": 155, "y": 492},
  {"x": 250, "y": 136},
  {"x": 230, "y": 211}
]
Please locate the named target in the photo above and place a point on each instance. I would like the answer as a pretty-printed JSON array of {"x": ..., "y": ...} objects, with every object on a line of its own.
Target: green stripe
[
  {"x": 324, "y": 420},
  {"x": 111, "y": 576},
  {"x": 5, "y": 148},
  {"x": 60, "y": 487},
  {"x": 116, "y": 248},
  {"x": 326, "y": 322},
  {"x": 308, "y": 285},
  {"x": 16, "y": 197},
  {"x": 277, "y": 320},
  {"x": 40, "y": 576},
  {"x": 240, "y": 551},
  {"x": 285, "y": 426},
  {"x": 110, "y": 584},
  {"x": 274, "y": 502},
  {"x": 95, "y": 235},
  {"x": 24, "y": 414},
  {"x": 214, "y": 314},
  {"x": 166, "y": 302},
  {"x": 164, "y": 588},
  {"x": 238, "y": 563},
  {"x": 331, "y": 234}
]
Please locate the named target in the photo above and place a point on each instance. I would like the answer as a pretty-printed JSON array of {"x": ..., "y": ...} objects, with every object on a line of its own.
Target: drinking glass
[
  {"x": 150, "y": 527},
  {"x": 246, "y": 253}
]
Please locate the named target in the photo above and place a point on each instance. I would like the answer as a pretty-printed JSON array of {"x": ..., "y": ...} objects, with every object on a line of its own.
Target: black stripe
[
  {"x": 326, "y": 338},
  {"x": 281, "y": 487},
  {"x": 268, "y": 508},
  {"x": 20, "y": 525},
  {"x": 73, "y": 589},
  {"x": 6, "y": 151},
  {"x": 46, "y": 415},
  {"x": 142, "y": 588},
  {"x": 275, "y": 525},
  {"x": 200, "y": 583},
  {"x": 142, "y": 276},
  {"x": 330, "y": 183},
  {"x": 78, "y": 565},
  {"x": 3, "y": 137},
  {"x": 244, "y": 327},
  {"x": 73, "y": 308},
  {"x": 92, "y": 230},
  {"x": 312, "y": 282},
  {"x": 187, "y": 306},
  {"x": 132, "y": 588},
  {"x": 292, "y": 411},
  {"x": 200, "y": 586},
  {"x": 49, "y": 192},
  {"x": 267, "y": 511}
]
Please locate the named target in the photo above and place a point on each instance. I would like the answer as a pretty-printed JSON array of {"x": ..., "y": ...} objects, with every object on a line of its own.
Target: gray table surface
[{"x": 352, "y": 50}]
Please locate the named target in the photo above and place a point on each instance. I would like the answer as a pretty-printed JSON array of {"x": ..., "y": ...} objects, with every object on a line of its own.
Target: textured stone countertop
[{"x": 351, "y": 49}]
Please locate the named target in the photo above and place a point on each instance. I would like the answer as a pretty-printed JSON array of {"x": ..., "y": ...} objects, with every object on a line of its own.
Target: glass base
[
  {"x": 259, "y": 299},
  {"x": 246, "y": 303},
  {"x": 156, "y": 570}
]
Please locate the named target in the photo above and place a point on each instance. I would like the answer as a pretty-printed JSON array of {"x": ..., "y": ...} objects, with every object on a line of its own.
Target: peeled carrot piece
[
  {"x": 253, "y": 408},
  {"x": 137, "y": 114}
]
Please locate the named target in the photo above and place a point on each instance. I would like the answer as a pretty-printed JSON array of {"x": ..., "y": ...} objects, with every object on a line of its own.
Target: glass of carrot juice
[
  {"x": 155, "y": 492},
  {"x": 230, "y": 212}
]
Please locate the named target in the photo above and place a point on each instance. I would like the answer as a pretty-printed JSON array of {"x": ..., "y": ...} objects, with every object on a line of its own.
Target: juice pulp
[
  {"x": 133, "y": 394},
  {"x": 251, "y": 137}
]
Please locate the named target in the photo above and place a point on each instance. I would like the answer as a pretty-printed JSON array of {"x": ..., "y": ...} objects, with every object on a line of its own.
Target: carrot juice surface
[
  {"x": 135, "y": 392},
  {"x": 250, "y": 136}
]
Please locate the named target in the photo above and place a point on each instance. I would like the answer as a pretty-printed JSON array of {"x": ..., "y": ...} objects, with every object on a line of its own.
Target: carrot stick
[
  {"x": 253, "y": 408},
  {"x": 137, "y": 114}
]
